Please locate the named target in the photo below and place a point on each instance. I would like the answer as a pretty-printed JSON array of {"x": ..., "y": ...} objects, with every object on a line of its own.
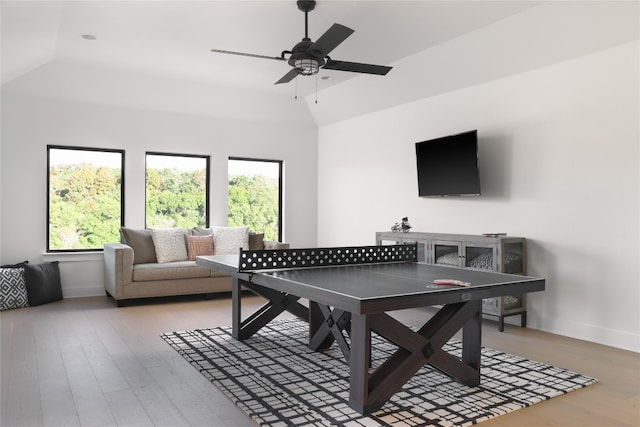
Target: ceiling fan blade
[
  {"x": 288, "y": 77},
  {"x": 356, "y": 67},
  {"x": 331, "y": 39},
  {"x": 252, "y": 55}
]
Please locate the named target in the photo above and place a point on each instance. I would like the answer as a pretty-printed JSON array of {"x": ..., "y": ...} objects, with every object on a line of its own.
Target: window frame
[
  {"x": 280, "y": 188},
  {"x": 205, "y": 157},
  {"x": 122, "y": 185}
]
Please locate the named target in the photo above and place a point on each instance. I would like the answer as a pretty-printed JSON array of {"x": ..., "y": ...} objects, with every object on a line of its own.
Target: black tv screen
[{"x": 448, "y": 166}]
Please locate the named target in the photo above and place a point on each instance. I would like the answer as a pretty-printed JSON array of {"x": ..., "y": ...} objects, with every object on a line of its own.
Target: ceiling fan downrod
[
  {"x": 306, "y": 6},
  {"x": 306, "y": 24}
]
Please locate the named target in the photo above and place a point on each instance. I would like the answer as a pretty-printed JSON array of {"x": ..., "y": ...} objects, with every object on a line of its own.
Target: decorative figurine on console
[{"x": 404, "y": 226}]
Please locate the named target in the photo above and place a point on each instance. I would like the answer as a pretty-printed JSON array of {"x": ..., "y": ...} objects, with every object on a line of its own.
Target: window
[
  {"x": 85, "y": 198},
  {"x": 255, "y": 196},
  {"x": 177, "y": 190}
]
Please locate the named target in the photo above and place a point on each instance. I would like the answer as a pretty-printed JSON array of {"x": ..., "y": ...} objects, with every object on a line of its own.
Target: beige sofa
[{"x": 136, "y": 268}]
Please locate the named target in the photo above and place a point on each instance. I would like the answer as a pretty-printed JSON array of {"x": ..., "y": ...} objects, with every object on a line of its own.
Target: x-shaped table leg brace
[
  {"x": 277, "y": 302},
  {"x": 326, "y": 326},
  {"x": 369, "y": 392}
]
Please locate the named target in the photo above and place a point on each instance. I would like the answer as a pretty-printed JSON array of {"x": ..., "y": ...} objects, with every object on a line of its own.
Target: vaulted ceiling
[{"x": 172, "y": 39}]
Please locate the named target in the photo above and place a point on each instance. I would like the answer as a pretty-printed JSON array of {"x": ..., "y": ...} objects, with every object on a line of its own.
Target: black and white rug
[{"x": 278, "y": 381}]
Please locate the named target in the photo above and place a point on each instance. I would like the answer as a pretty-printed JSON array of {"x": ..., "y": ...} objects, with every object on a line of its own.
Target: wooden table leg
[
  {"x": 472, "y": 342},
  {"x": 369, "y": 392},
  {"x": 359, "y": 363},
  {"x": 277, "y": 302},
  {"x": 236, "y": 307}
]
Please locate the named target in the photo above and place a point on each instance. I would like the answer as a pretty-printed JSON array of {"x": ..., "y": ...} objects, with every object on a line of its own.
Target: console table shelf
[{"x": 503, "y": 254}]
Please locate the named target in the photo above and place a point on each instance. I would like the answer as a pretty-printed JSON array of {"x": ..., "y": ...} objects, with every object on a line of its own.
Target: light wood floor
[{"x": 85, "y": 362}]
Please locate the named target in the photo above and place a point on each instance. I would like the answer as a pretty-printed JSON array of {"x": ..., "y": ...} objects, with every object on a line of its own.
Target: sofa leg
[{"x": 119, "y": 302}]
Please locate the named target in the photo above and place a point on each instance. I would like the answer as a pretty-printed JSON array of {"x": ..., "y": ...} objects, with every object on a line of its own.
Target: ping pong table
[{"x": 350, "y": 292}]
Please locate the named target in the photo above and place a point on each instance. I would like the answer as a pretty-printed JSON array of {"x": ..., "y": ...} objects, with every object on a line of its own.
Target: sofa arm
[
  {"x": 268, "y": 244},
  {"x": 118, "y": 268}
]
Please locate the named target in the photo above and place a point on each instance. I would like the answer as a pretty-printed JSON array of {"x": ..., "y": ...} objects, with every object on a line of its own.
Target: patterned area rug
[{"x": 278, "y": 381}]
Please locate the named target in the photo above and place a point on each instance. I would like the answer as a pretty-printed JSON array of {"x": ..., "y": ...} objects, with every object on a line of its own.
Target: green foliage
[
  {"x": 84, "y": 203},
  {"x": 253, "y": 201},
  {"x": 84, "y": 206},
  {"x": 175, "y": 198}
]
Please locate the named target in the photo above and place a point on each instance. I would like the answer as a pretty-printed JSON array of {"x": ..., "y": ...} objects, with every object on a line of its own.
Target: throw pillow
[
  {"x": 200, "y": 231},
  {"x": 199, "y": 245},
  {"x": 43, "y": 283},
  {"x": 229, "y": 240},
  {"x": 13, "y": 288},
  {"x": 142, "y": 243},
  {"x": 18, "y": 265},
  {"x": 170, "y": 244}
]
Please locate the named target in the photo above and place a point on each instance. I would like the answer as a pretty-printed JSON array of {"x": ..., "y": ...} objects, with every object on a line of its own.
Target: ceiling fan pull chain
[
  {"x": 296, "y": 89},
  {"x": 316, "y": 88}
]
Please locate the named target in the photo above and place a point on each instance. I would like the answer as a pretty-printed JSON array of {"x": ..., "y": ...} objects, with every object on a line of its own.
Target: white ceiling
[
  {"x": 174, "y": 38},
  {"x": 163, "y": 47}
]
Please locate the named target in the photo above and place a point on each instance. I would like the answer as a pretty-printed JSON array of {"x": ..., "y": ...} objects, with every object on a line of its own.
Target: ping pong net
[{"x": 277, "y": 259}]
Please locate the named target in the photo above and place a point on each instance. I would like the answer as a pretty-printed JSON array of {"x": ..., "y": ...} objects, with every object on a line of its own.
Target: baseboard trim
[
  {"x": 610, "y": 337},
  {"x": 93, "y": 291}
]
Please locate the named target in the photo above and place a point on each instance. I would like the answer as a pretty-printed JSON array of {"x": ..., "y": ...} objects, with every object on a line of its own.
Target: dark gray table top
[{"x": 381, "y": 287}]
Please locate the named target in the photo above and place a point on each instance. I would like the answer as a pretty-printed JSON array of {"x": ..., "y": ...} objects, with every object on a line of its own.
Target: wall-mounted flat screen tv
[{"x": 448, "y": 166}]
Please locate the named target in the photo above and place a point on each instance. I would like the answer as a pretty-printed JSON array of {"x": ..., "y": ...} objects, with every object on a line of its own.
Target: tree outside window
[
  {"x": 177, "y": 190},
  {"x": 85, "y": 197},
  {"x": 255, "y": 196}
]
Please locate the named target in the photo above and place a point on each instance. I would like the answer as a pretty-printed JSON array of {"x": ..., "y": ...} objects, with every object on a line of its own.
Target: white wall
[
  {"x": 69, "y": 105},
  {"x": 559, "y": 165}
]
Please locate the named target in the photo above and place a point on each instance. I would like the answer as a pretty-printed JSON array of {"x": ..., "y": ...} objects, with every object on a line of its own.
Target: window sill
[{"x": 72, "y": 256}]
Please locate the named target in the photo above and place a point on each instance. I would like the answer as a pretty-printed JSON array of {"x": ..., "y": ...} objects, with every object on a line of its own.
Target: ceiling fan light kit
[
  {"x": 306, "y": 66},
  {"x": 307, "y": 57}
]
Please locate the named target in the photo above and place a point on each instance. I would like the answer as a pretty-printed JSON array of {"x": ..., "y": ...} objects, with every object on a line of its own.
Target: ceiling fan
[{"x": 307, "y": 56}]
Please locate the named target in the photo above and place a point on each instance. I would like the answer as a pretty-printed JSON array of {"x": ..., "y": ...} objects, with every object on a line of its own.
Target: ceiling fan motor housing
[{"x": 302, "y": 51}]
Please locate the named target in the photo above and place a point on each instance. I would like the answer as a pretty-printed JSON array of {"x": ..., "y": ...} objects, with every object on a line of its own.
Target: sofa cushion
[
  {"x": 43, "y": 283},
  {"x": 170, "y": 244},
  {"x": 229, "y": 240},
  {"x": 141, "y": 242},
  {"x": 199, "y": 245},
  {"x": 169, "y": 271}
]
